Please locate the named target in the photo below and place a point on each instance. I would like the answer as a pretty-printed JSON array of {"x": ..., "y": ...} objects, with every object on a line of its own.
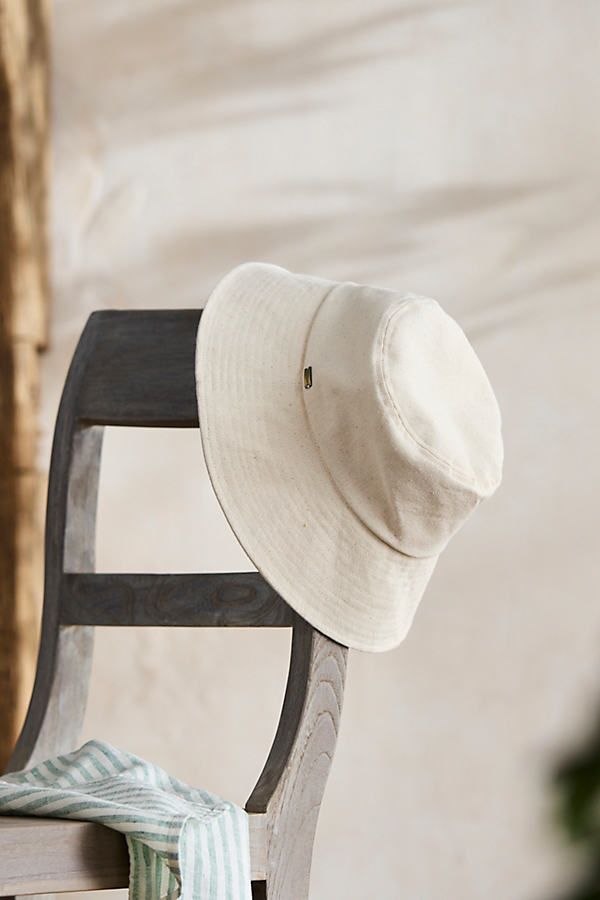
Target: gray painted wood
[
  {"x": 235, "y": 600},
  {"x": 142, "y": 369},
  {"x": 137, "y": 369},
  {"x": 59, "y": 695},
  {"x": 291, "y": 786}
]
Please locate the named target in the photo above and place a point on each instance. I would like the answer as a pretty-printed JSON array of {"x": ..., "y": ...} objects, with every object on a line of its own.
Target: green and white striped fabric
[{"x": 183, "y": 842}]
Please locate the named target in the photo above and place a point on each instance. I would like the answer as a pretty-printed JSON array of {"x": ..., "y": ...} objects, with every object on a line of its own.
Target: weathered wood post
[{"x": 24, "y": 127}]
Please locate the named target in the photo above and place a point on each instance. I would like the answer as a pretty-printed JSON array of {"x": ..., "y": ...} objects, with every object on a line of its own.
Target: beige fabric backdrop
[{"x": 449, "y": 148}]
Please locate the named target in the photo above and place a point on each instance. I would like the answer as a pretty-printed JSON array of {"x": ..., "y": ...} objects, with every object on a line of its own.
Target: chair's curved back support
[{"x": 137, "y": 369}]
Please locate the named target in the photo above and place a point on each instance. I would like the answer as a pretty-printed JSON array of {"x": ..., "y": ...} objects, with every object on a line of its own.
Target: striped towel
[{"x": 183, "y": 842}]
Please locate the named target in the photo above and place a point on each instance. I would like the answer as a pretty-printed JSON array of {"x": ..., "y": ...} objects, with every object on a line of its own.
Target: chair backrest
[{"x": 137, "y": 369}]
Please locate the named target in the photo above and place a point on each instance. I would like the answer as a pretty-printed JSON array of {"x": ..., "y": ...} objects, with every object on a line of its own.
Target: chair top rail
[{"x": 142, "y": 371}]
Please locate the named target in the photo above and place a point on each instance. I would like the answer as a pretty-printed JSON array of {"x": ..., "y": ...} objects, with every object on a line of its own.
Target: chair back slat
[{"x": 235, "y": 600}]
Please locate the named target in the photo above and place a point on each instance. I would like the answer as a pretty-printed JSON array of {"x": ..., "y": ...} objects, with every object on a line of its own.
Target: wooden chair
[{"x": 137, "y": 369}]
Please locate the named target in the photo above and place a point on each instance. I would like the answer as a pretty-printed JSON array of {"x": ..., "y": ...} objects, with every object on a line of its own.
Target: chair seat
[{"x": 39, "y": 856}]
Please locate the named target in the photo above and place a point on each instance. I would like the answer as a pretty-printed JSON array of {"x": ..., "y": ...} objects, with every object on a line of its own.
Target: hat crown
[{"x": 402, "y": 413}]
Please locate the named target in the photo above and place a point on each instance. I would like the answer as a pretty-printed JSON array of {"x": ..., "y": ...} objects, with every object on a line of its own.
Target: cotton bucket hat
[{"x": 348, "y": 431}]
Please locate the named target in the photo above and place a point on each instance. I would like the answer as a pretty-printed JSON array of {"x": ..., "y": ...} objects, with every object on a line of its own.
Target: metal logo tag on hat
[{"x": 348, "y": 432}]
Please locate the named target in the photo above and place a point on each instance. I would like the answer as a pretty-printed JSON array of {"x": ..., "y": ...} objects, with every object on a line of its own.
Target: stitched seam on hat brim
[
  {"x": 318, "y": 448},
  {"x": 468, "y": 481}
]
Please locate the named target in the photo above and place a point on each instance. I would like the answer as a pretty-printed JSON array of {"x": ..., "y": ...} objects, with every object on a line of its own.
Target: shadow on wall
[
  {"x": 227, "y": 74},
  {"x": 385, "y": 227}
]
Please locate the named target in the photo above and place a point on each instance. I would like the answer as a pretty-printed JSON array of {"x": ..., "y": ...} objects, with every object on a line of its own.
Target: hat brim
[{"x": 268, "y": 475}]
